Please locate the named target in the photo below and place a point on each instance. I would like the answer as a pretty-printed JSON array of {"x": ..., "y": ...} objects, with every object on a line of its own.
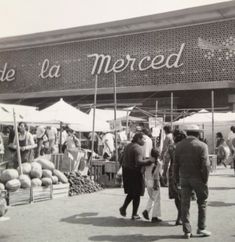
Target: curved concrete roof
[{"x": 191, "y": 16}]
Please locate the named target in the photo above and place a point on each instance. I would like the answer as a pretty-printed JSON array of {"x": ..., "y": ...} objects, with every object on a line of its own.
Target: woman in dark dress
[
  {"x": 174, "y": 190},
  {"x": 133, "y": 179}
]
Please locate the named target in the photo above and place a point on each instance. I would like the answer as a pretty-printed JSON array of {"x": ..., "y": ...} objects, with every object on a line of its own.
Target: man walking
[{"x": 192, "y": 169}]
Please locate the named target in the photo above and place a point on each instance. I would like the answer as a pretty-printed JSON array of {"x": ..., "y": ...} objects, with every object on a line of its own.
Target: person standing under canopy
[{"x": 26, "y": 143}]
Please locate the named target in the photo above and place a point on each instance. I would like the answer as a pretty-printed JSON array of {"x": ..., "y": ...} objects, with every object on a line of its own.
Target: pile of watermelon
[{"x": 40, "y": 172}]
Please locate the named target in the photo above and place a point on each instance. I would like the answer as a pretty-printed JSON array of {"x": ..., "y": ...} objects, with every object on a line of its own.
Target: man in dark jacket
[{"x": 192, "y": 170}]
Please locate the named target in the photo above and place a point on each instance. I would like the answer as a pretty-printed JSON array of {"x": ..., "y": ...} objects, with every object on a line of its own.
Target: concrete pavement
[{"x": 95, "y": 217}]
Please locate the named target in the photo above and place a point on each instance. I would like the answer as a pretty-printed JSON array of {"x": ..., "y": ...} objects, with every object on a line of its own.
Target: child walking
[{"x": 152, "y": 181}]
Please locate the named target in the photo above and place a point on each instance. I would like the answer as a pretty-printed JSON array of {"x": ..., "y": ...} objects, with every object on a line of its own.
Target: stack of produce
[
  {"x": 41, "y": 172},
  {"x": 79, "y": 184}
]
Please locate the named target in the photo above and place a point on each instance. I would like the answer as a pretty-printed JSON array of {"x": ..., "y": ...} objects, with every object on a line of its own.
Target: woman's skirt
[{"x": 133, "y": 182}]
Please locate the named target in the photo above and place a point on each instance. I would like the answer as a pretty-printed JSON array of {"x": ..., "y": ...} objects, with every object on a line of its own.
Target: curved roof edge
[{"x": 190, "y": 16}]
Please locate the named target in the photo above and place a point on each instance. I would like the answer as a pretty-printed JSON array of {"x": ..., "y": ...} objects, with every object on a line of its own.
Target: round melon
[
  {"x": 25, "y": 181},
  {"x": 36, "y": 170},
  {"x": 54, "y": 179},
  {"x": 46, "y": 164},
  {"x": 62, "y": 178},
  {"x": 46, "y": 181},
  {"x": 3, "y": 207},
  {"x": 46, "y": 173},
  {"x": 2, "y": 187},
  {"x": 36, "y": 182},
  {"x": 13, "y": 185},
  {"x": 9, "y": 174},
  {"x": 26, "y": 168}
]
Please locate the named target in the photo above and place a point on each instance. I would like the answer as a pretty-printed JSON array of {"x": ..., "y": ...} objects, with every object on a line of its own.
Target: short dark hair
[
  {"x": 219, "y": 135},
  {"x": 155, "y": 153},
  {"x": 232, "y": 129},
  {"x": 138, "y": 135},
  {"x": 167, "y": 129},
  {"x": 146, "y": 132},
  {"x": 179, "y": 135}
]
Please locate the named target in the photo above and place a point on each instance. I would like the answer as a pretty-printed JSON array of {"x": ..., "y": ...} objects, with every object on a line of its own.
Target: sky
[{"x": 19, "y": 17}]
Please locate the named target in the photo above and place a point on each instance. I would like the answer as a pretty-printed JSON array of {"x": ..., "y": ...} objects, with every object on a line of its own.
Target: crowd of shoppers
[{"x": 186, "y": 167}]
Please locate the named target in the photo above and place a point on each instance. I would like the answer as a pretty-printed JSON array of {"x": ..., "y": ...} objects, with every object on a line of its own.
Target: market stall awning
[
  {"x": 62, "y": 112},
  {"x": 6, "y": 116}
]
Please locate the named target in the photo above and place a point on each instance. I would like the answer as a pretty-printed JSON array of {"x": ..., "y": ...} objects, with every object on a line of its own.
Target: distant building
[{"x": 188, "y": 53}]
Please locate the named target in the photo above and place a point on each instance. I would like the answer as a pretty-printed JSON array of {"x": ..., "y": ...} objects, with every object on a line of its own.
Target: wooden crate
[
  {"x": 19, "y": 197},
  {"x": 39, "y": 194},
  {"x": 57, "y": 159},
  {"x": 111, "y": 167},
  {"x": 60, "y": 190}
]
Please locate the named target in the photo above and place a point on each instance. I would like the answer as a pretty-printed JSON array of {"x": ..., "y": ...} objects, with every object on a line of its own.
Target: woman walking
[{"x": 133, "y": 178}]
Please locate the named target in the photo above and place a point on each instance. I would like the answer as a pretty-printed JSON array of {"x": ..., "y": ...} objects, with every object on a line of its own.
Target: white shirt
[
  {"x": 147, "y": 147},
  {"x": 108, "y": 141},
  {"x": 52, "y": 133},
  {"x": 151, "y": 175}
]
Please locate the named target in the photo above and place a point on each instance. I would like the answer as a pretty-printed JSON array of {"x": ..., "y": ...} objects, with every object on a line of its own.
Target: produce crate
[
  {"x": 97, "y": 170},
  {"x": 60, "y": 190},
  {"x": 111, "y": 167},
  {"x": 57, "y": 159},
  {"x": 19, "y": 197},
  {"x": 213, "y": 162},
  {"x": 39, "y": 194}
]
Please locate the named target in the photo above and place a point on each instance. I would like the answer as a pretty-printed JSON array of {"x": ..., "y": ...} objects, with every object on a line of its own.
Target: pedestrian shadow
[
  {"x": 111, "y": 221},
  {"x": 134, "y": 237},
  {"x": 223, "y": 175},
  {"x": 221, "y": 188},
  {"x": 87, "y": 214},
  {"x": 220, "y": 204}
]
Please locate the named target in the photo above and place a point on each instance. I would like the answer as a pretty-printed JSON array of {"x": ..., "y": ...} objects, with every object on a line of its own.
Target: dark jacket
[{"x": 192, "y": 160}]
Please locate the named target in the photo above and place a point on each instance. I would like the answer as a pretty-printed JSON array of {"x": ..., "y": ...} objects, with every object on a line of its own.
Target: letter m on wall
[{"x": 101, "y": 63}]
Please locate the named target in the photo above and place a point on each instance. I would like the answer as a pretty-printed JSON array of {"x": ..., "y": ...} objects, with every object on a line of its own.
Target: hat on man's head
[{"x": 192, "y": 127}]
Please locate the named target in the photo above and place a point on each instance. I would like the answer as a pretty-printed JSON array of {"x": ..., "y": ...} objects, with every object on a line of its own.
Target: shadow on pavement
[
  {"x": 87, "y": 214},
  {"x": 220, "y": 204},
  {"x": 221, "y": 188},
  {"x": 223, "y": 175},
  {"x": 111, "y": 221},
  {"x": 134, "y": 237}
]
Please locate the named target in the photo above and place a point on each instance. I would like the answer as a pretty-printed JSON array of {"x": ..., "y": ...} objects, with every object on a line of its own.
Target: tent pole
[
  {"x": 60, "y": 141},
  {"x": 172, "y": 100},
  {"x": 93, "y": 121},
  {"x": 17, "y": 143},
  {"x": 213, "y": 121},
  {"x": 127, "y": 126},
  {"x": 115, "y": 116}
]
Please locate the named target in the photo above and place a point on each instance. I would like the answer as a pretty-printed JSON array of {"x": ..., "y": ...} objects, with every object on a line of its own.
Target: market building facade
[{"x": 187, "y": 53}]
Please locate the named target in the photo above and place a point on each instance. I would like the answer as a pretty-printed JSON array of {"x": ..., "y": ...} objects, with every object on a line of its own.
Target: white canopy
[
  {"x": 6, "y": 114},
  {"x": 203, "y": 116},
  {"x": 62, "y": 112}
]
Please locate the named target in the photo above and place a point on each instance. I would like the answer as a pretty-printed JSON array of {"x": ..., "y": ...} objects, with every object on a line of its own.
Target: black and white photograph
[{"x": 117, "y": 120}]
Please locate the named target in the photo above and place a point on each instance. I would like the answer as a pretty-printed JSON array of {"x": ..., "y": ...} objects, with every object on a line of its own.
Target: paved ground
[{"x": 95, "y": 217}]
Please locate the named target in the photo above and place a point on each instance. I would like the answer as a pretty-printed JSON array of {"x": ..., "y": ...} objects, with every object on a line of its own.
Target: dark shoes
[
  {"x": 188, "y": 235},
  {"x": 135, "y": 217},
  {"x": 122, "y": 211},
  {"x": 203, "y": 232},
  {"x": 146, "y": 214},
  {"x": 156, "y": 220}
]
